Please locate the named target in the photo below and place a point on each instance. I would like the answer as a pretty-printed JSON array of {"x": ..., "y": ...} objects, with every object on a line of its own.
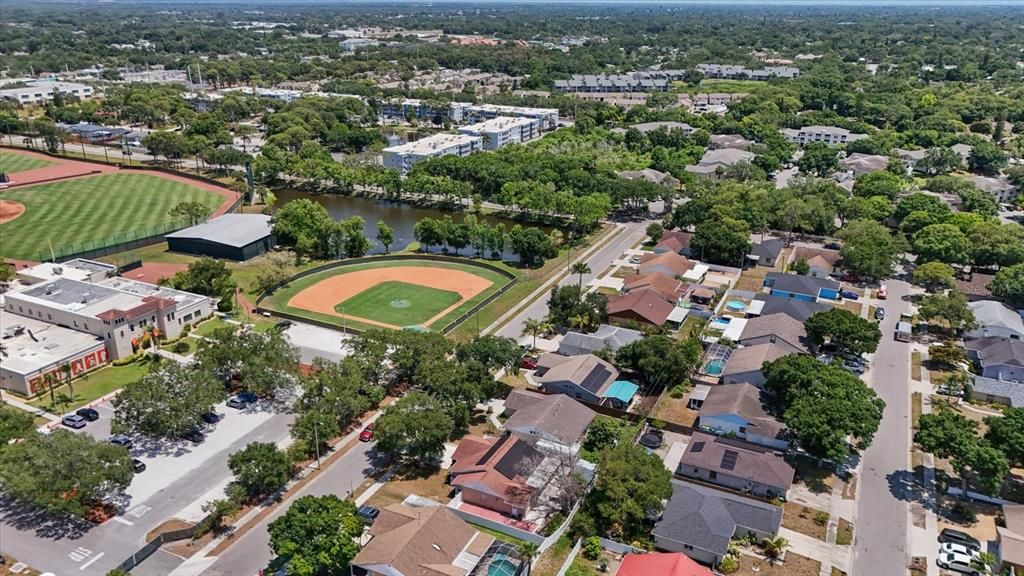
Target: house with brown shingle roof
[
  {"x": 667, "y": 263},
  {"x": 736, "y": 464},
  {"x": 644, "y": 305},
  {"x": 671, "y": 288},
  {"x": 494, "y": 473},
  {"x": 821, "y": 263},
  {"x": 585, "y": 377},
  {"x": 677, "y": 241},
  {"x": 421, "y": 541},
  {"x": 547, "y": 418},
  {"x": 740, "y": 410}
]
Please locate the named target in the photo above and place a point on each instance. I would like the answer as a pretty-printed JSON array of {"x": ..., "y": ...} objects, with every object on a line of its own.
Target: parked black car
[
  {"x": 247, "y": 397},
  {"x": 138, "y": 465},
  {"x": 194, "y": 436},
  {"x": 958, "y": 537},
  {"x": 89, "y": 414},
  {"x": 211, "y": 417},
  {"x": 121, "y": 440},
  {"x": 368, "y": 514}
]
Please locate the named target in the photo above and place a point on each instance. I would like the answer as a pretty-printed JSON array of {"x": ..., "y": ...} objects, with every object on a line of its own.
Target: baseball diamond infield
[{"x": 389, "y": 293}]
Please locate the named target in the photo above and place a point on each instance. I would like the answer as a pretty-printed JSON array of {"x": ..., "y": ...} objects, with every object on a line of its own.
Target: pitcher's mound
[{"x": 9, "y": 210}]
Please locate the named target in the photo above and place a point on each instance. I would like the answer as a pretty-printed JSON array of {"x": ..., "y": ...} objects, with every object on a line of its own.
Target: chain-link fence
[{"x": 120, "y": 242}]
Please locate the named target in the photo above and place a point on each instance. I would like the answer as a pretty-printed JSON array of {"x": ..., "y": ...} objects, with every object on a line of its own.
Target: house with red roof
[
  {"x": 660, "y": 564},
  {"x": 496, "y": 473}
]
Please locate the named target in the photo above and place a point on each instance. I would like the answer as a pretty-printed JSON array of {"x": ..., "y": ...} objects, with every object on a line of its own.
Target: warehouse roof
[{"x": 235, "y": 230}]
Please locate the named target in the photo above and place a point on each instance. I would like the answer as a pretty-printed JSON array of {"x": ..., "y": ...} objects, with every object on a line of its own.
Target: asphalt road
[
  {"x": 251, "y": 551},
  {"x": 601, "y": 259},
  {"x": 885, "y": 485},
  {"x": 179, "y": 478}
]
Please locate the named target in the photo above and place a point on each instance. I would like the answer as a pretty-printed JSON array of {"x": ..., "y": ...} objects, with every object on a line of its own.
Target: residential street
[
  {"x": 178, "y": 480},
  {"x": 251, "y": 552},
  {"x": 632, "y": 233},
  {"x": 881, "y": 545}
]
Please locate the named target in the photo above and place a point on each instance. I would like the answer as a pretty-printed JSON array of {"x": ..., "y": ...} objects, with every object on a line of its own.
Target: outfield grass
[
  {"x": 11, "y": 162},
  {"x": 94, "y": 209},
  {"x": 279, "y": 300},
  {"x": 398, "y": 303}
]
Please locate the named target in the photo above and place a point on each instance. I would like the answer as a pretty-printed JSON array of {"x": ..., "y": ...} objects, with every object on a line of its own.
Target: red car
[
  {"x": 528, "y": 363},
  {"x": 367, "y": 434}
]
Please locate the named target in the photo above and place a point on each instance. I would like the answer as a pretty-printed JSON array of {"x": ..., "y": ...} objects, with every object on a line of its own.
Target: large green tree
[
  {"x": 878, "y": 183},
  {"x": 869, "y": 249},
  {"x": 846, "y": 330},
  {"x": 942, "y": 243},
  {"x": 317, "y": 536},
  {"x": 951, "y": 309},
  {"x": 661, "y": 360},
  {"x": 208, "y": 277},
  {"x": 261, "y": 362},
  {"x": 1007, "y": 434},
  {"x": 14, "y": 424},
  {"x": 721, "y": 240},
  {"x": 934, "y": 275},
  {"x": 632, "y": 485},
  {"x": 819, "y": 159},
  {"x": 1009, "y": 284},
  {"x": 166, "y": 402},
  {"x": 64, "y": 472},
  {"x": 260, "y": 468},
  {"x": 414, "y": 428},
  {"x": 823, "y": 405}
]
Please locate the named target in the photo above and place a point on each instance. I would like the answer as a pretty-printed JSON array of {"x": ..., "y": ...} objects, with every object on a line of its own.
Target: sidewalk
[
  {"x": 810, "y": 547},
  {"x": 28, "y": 407},
  {"x": 923, "y": 540}
]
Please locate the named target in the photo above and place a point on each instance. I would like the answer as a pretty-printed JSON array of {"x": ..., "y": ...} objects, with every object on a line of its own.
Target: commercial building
[
  {"x": 736, "y": 72},
  {"x": 403, "y": 157},
  {"x": 231, "y": 236},
  {"x": 117, "y": 310},
  {"x": 42, "y": 91},
  {"x": 33, "y": 349},
  {"x": 504, "y": 130},
  {"x": 830, "y": 135}
]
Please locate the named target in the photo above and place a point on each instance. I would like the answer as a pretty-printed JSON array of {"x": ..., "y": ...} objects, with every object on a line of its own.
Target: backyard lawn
[
  {"x": 96, "y": 211},
  {"x": 92, "y": 386}
]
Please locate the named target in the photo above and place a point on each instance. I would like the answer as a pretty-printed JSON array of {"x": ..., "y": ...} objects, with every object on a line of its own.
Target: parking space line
[
  {"x": 123, "y": 521},
  {"x": 89, "y": 563}
]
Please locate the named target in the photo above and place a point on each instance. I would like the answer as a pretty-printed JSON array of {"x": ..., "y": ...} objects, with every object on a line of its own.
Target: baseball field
[
  {"x": 389, "y": 293},
  {"x": 11, "y": 162}
]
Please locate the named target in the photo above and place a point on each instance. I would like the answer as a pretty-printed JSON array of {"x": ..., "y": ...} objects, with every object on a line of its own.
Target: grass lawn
[
  {"x": 279, "y": 300},
  {"x": 96, "y": 211},
  {"x": 92, "y": 386},
  {"x": 844, "y": 533},
  {"x": 500, "y": 535},
  {"x": 915, "y": 365},
  {"x": 806, "y": 520},
  {"x": 210, "y": 326},
  {"x": 675, "y": 410},
  {"x": 795, "y": 565},
  {"x": 398, "y": 303},
  {"x": 916, "y": 407},
  {"x": 11, "y": 162},
  {"x": 552, "y": 559},
  {"x": 190, "y": 342},
  {"x": 428, "y": 484}
]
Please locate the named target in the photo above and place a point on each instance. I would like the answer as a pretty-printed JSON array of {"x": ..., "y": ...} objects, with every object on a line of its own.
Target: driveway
[
  {"x": 885, "y": 487},
  {"x": 178, "y": 475}
]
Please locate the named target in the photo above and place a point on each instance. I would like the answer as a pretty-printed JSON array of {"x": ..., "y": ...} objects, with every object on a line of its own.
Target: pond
[{"x": 401, "y": 217}]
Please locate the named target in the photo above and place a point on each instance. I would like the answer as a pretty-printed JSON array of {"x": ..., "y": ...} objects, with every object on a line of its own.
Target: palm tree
[
  {"x": 774, "y": 547},
  {"x": 581, "y": 268},
  {"x": 578, "y": 321},
  {"x": 956, "y": 383},
  {"x": 66, "y": 369},
  {"x": 49, "y": 379},
  {"x": 528, "y": 551},
  {"x": 536, "y": 327}
]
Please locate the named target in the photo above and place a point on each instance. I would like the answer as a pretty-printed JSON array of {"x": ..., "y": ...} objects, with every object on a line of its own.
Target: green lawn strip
[
  {"x": 95, "y": 211},
  {"x": 210, "y": 326},
  {"x": 12, "y": 162},
  {"x": 519, "y": 542},
  {"x": 279, "y": 299},
  {"x": 92, "y": 386},
  {"x": 398, "y": 303},
  {"x": 192, "y": 343}
]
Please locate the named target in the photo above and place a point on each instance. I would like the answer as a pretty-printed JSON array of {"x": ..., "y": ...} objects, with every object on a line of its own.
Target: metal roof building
[{"x": 231, "y": 236}]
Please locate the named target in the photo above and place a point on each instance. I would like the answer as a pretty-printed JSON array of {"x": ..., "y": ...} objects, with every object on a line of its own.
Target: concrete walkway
[
  {"x": 810, "y": 547},
  {"x": 924, "y": 539},
  {"x": 8, "y": 398}
]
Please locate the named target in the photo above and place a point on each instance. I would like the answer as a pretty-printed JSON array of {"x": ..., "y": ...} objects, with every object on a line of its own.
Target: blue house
[{"x": 806, "y": 288}]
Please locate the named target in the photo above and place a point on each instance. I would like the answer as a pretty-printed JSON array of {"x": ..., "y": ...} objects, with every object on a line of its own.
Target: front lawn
[
  {"x": 806, "y": 520},
  {"x": 92, "y": 386}
]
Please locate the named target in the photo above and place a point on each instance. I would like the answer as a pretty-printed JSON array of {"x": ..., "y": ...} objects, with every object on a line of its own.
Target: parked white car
[
  {"x": 954, "y": 548},
  {"x": 958, "y": 563}
]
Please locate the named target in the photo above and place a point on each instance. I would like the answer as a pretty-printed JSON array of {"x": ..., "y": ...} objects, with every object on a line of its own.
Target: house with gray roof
[
  {"x": 585, "y": 377},
  {"x": 717, "y": 160},
  {"x": 995, "y": 390},
  {"x": 858, "y": 163},
  {"x": 996, "y": 319},
  {"x": 801, "y": 287},
  {"x": 547, "y": 420},
  {"x": 998, "y": 358},
  {"x": 778, "y": 329},
  {"x": 699, "y": 521},
  {"x": 231, "y": 236},
  {"x": 735, "y": 141},
  {"x": 744, "y": 365},
  {"x": 740, "y": 410},
  {"x": 1000, "y": 189},
  {"x": 607, "y": 337},
  {"x": 735, "y": 464},
  {"x": 651, "y": 175},
  {"x": 767, "y": 253},
  {"x": 799, "y": 310}
]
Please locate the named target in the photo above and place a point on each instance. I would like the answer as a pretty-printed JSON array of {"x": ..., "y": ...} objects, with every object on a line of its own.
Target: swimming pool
[
  {"x": 714, "y": 367},
  {"x": 502, "y": 566},
  {"x": 735, "y": 306},
  {"x": 720, "y": 323}
]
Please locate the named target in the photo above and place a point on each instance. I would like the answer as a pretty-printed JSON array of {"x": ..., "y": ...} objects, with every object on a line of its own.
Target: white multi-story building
[
  {"x": 42, "y": 91},
  {"x": 402, "y": 157},
  {"x": 81, "y": 297},
  {"x": 463, "y": 112},
  {"x": 502, "y": 131},
  {"x": 481, "y": 112},
  {"x": 830, "y": 135}
]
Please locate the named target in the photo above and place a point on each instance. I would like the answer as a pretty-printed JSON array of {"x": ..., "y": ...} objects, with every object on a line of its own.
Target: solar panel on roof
[
  {"x": 697, "y": 447},
  {"x": 595, "y": 379},
  {"x": 729, "y": 459},
  {"x": 511, "y": 464}
]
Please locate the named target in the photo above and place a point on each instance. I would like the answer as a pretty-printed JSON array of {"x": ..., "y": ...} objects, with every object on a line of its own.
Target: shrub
[
  {"x": 180, "y": 347},
  {"x": 592, "y": 548},
  {"x": 821, "y": 518},
  {"x": 554, "y": 522},
  {"x": 677, "y": 392},
  {"x": 728, "y": 565}
]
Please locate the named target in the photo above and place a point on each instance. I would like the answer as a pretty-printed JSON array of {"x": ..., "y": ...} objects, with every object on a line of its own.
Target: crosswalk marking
[{"x": 139, "y": 510}]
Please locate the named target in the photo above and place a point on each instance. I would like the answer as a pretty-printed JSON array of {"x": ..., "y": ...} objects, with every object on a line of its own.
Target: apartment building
[
  {"x": 479, "y": 112},
  {"x": 42, "y": 91},
  {"x": 503, "y": 130},
  {"x": 831, "y": 135},
  {"x": 403, "y": 157},
  {"x": 463, "y": 112},
  {"x": 116, "y": 309},
  {"x": 736, "y": 72},
  {"x": 611, "y": 83}
]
